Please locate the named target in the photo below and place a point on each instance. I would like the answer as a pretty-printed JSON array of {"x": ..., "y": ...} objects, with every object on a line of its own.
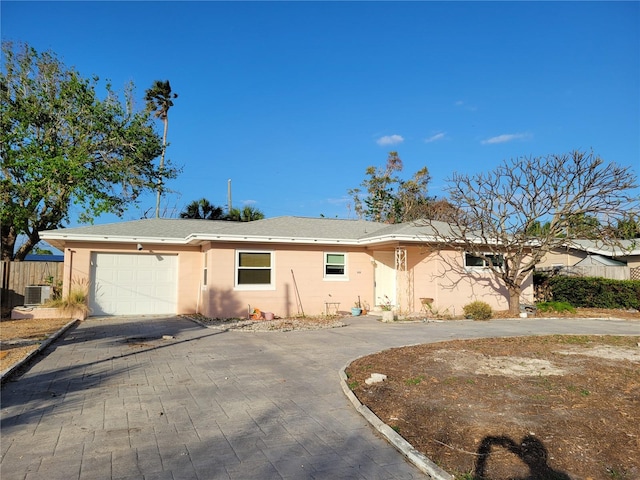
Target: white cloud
[
  {"x": 390, "y": 140},
  {"x": 507, "y": 137},
  {"x": 465, "y": 106},
  {"x": 435, "y": 138}
]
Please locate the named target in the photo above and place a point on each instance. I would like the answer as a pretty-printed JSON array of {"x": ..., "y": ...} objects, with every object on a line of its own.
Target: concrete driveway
[{"x": 113, "y": 399}]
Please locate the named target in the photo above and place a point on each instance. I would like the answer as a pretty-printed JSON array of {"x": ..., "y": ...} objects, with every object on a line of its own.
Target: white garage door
[{"x": 133, "y": 284}]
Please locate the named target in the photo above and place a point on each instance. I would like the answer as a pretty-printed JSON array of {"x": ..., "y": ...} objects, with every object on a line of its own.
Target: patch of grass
[
  {"x": 582, "y": 391},
  {"x": 557, "y": 307},
  {"x": 466, "y": 476},
  {"x": 545, "y": 383},
  {"x": 353, "y": 385},
  {"x": 573, "y": 339},
  {"x": 414, "y": 381}
]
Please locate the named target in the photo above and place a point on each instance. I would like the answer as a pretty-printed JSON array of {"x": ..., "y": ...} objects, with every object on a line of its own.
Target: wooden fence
[
  {"x": 614, "y": 273},
  {"x": 17, "y": 275}
]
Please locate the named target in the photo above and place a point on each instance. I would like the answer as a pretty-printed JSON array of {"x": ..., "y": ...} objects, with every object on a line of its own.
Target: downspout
[{"x": 67, "y": 287}]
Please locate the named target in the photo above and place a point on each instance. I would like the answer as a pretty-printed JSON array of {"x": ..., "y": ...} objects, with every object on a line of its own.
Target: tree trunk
[
  {"x": 32, "y": 240},
  {"x": 164, "y": 149},
  {"x": 514, "y": 299},
  {"x": 8, "y": 242}
]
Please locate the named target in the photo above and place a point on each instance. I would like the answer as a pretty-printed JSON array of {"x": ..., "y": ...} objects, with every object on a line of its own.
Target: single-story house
[
  {"x": 284, "y": 265},
  {"x": 595, "y": 258}
]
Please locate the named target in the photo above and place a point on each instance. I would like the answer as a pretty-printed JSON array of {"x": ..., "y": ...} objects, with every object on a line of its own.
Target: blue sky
[{"x": 293, "y": 100}]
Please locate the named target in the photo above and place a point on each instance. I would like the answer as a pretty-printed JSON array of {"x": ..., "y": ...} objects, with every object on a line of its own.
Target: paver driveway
[{"x": 114, "y": 400}]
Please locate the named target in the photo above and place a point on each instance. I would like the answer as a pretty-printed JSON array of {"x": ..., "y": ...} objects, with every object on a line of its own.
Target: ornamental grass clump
[
  {"x": 557, "y": 307},
  {"x": 478, "y": 310}
]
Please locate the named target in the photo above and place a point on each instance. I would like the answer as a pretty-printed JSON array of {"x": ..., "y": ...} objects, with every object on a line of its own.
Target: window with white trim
[
  {"x": 335, "y": 266},
  {"x": 254, "y": 269},
  {"x": 472, "y": 261}
]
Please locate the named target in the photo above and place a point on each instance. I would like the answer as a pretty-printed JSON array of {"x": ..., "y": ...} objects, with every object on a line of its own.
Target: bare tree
[{"x": 501, "y": 208}]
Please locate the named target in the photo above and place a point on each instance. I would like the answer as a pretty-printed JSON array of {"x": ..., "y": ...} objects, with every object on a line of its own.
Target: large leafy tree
[
  {"x": 515, "y": 214},
  {"x": 159, "y": 100},
  {"x": 628, "y": 227},
  {"x": 384, "y": 197},
  {"x": 61, "y": 145}
]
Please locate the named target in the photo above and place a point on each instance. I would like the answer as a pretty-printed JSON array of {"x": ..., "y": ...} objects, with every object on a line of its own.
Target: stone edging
[
  {"x": 422, "y": 462},
  {"x": 6, "y": 373}
]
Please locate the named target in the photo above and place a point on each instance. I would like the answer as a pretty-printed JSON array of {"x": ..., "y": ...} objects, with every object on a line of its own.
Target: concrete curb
[
  {"x": 6, "y": 373},
  {"x": 422, "y": 462}
]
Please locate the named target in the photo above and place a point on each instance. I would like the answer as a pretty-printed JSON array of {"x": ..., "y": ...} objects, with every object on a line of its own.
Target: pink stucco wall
[
  {"x": 431, "y": 274},
  {"x": 297, "y": 270},
  {"x": 438, "y": 275},
  {"x": 443, "y": 277}
]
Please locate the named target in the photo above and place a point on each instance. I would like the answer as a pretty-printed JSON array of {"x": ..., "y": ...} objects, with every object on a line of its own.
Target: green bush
[
  {"x": 594, "y": 292},
  {"x": 558, "y": 307},
  {"x": 478, "y": 310}
]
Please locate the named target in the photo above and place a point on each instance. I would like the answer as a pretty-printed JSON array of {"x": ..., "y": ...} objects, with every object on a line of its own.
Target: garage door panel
[
  {"x": 144, "y": 275},
  {"x": 124, "y": 284}
]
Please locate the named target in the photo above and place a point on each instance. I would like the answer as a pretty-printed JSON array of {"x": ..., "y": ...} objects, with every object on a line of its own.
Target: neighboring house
[
  {"x": 35, "y": 257},
  {"x": 594, "y": 258},
  {"x": 284, "y": 265}
]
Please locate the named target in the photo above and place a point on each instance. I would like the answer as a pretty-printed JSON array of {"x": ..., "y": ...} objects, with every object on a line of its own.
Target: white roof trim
[
  {"x": 199, "y": 237},
  {"x": 110, "y": 238}
]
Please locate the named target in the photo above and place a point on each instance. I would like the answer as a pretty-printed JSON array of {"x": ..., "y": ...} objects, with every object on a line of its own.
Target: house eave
[
  {"x": 60, "y": 240},
  {"x": 307, "y": 241}
]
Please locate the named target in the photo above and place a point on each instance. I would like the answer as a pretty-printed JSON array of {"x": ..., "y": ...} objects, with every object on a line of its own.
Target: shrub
[
  {"x": 478, "y": 310},
  {"x": 595, "y": 292},
  {"x": 558, "y": 307}
]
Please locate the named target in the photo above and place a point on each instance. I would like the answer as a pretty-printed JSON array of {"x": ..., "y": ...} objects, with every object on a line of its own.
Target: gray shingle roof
[
  {"x": 187, "y": 231},
  {"x": 278, "y": 229},
  {"x": 151, "y": 227},
  {"x": 309, "y": 228}
]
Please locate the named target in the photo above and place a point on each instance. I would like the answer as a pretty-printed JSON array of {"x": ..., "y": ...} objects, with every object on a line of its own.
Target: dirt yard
[
  {"x": 18, "y": 338},
  {"x": 549, "y": 407}
]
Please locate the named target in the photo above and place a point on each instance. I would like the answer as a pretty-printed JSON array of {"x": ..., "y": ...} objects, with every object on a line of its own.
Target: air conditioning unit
[{"x": 36, "y": 294}]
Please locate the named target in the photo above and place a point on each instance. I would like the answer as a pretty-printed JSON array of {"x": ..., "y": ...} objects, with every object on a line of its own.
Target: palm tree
[
  {"x": 203, "y": 209},
  {"x": 247, "y": 214},
  {"x": 159, "y": 100}
]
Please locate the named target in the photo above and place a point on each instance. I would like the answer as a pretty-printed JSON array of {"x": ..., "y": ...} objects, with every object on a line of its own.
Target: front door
[{"x": 385, "y": 277}]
